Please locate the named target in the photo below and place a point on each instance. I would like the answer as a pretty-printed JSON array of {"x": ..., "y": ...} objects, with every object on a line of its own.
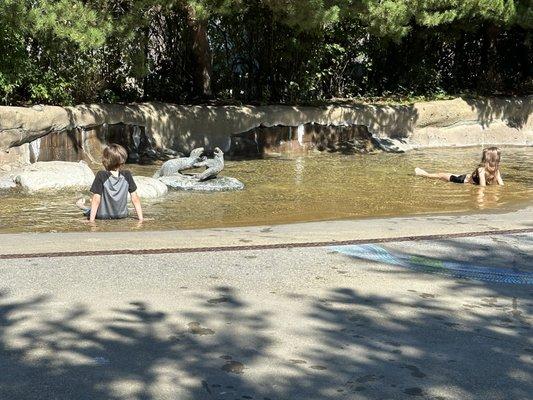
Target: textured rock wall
[{"x": 457, "y": 122}]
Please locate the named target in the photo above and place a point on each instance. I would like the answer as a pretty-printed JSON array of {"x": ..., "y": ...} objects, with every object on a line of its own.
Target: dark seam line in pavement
[{"x": 261, "y": 246}]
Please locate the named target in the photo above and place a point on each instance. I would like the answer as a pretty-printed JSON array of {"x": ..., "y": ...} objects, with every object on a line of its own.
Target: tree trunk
[
  {"x": 493, "y": 75},
  {"x": 489, "y": 78},
  {"x": 202, "y": 63},
  {"x": 461, "y": 76}
]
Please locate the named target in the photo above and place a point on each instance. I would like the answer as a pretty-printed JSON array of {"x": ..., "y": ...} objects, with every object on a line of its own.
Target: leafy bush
[{"x": 265, "y": 51}]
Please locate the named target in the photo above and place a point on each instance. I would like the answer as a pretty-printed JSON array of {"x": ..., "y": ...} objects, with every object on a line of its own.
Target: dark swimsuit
[
  {"x": 458, "y": 178},
  {"x": 461, "y": 179}
]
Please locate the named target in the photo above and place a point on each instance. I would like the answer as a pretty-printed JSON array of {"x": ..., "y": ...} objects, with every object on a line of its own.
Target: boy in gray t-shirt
[{"x": 111, "y": 187}]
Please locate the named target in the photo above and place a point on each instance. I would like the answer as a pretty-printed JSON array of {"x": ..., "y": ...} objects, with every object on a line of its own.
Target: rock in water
[
  {"x": 391, "y": 145},
  {"x": 184, "y": 182},
  {"x": 54, "y": 175},
  {"x": 150, "y": 188},
  {"x": 7, "y": 182}
]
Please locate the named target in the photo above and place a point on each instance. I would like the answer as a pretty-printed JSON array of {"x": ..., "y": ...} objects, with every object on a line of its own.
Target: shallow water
[{"x": 311, "y": 188}]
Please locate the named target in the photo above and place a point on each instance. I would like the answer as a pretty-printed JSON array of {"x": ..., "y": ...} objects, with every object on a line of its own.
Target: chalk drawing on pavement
[{"x": 455, "y": 269}]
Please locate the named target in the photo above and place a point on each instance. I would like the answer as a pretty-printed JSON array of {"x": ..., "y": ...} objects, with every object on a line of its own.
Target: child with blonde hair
[
  {"x": 487, "y": 172},
  {"x": 111, "y": 187}
]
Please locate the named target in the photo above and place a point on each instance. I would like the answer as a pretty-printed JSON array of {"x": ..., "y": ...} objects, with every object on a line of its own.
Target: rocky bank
[{"x": 49, "y": 133}]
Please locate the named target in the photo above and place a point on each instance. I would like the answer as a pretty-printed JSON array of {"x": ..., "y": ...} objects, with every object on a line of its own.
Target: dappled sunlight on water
[{"x": 310, "y": 188}]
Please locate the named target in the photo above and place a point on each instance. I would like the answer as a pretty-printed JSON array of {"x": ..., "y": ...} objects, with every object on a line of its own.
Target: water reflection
[
  {"x": 305, "y": 188},
  {"x": 299, "y": 166},
  {"x": 488, "y": 196}
]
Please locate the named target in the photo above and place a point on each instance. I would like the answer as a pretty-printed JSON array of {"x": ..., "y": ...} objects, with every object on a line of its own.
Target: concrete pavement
[{"x": 287, "y": 323}]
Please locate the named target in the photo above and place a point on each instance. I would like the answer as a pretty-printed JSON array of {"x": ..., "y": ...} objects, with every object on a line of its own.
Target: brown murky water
[{"x": 311, "y": 188}]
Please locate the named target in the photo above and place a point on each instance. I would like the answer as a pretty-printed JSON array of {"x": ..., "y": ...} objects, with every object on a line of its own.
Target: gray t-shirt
[{"x": 114, "y": 192}]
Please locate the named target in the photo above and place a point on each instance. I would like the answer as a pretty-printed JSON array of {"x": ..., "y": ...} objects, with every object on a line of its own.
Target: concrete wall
[
  {"x": 17, "y": 156},
  {"x": 457, "y": 122}
]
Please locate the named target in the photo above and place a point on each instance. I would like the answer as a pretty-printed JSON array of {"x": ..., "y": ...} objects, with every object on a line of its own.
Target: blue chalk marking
[
  {"x": 376, "y": 253},
  {"x": 101, "y": 361}
]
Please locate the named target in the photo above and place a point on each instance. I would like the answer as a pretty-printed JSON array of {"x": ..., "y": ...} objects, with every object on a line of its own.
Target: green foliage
[
  {"x": 70, "y": 51},
  {"x": 389, "y": 18},
  {"x": 45, "y": 42},
  {"x": 305, "y": 14},
  {"x": 396, "y": 18},
  {"x": 70, "y": 20}
]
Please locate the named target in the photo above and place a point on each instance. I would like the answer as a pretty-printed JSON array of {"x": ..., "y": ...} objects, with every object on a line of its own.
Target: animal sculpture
[
  {"x": 175, "y": 166},
  {"x": 213, "y": 166}
]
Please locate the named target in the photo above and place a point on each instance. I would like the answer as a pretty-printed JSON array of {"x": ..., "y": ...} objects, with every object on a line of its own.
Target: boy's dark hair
[{"x": 114, "y": 156}]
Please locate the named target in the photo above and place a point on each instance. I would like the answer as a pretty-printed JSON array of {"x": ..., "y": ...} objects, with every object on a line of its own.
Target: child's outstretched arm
[
  {"x": 95, "y": 203},
  {"x": 499, "y": 178},
  {"x": 137, "y": 204},
  {"x": 482, "y": 179}
]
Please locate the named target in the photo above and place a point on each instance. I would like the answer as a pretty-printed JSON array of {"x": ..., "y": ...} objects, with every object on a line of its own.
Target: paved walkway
[{"x": 290, "y": 323}]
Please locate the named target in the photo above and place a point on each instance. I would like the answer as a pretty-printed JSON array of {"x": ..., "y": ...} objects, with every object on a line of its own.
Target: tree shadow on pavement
[
  {"x": 385, "y": 347},
  {"x": 414, "y": 345},
  {"x": 139, "y": 353},
  {"x": 345, "y": 343}
]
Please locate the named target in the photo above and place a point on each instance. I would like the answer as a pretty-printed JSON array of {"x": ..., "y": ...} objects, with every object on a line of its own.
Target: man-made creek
[{"x": 308, "y": 188}]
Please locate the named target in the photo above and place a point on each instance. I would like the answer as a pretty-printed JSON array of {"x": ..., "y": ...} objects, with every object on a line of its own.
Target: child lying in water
[{"x": 487, "y": 173}]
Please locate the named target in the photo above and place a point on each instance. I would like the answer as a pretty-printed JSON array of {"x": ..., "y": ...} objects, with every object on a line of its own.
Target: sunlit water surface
[{"x": 311, "y": 188}]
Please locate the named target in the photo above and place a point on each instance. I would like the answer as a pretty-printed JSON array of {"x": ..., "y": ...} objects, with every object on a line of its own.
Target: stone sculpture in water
[
  {"x": 175, "y": 166},
  {"x": 206, "y": 181},
  {"x": 213, "y": 166}
]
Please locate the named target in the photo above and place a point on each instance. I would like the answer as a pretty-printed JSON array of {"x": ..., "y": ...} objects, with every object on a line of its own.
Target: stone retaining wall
[{"x": 457, "y": 122}]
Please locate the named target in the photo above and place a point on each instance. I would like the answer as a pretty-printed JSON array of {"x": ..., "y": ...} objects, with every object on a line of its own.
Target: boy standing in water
[{"x": 111, "y": 187}]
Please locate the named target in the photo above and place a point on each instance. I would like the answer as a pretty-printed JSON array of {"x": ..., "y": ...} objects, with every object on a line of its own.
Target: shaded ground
[{"x": 270, "y": 324}]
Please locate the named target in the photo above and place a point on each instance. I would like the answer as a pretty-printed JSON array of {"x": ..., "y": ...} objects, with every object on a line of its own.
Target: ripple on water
[{"x": 311, "y": 188}]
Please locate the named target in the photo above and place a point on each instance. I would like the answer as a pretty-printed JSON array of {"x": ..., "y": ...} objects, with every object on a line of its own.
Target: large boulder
[
  {"x": 219, "y": 184},
  {"x": 54, "y": 175},
  {"x": 150, "y": 188}
]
